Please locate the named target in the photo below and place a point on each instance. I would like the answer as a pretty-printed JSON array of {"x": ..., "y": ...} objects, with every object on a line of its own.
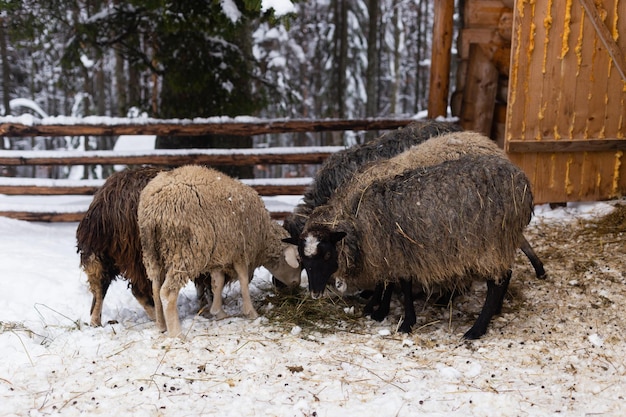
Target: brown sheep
[{"x": 195, "y": 220}]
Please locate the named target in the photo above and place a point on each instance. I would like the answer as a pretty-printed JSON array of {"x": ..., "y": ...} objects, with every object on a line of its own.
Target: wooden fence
[{"x": 13, "y": 127}]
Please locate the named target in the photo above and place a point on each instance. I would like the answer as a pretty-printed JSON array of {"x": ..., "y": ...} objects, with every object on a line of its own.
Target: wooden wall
[{"x": 566, "y": 113}]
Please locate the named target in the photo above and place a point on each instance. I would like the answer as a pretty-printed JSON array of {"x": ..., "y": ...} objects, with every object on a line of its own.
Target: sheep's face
[{"x": 318, "y": 254}]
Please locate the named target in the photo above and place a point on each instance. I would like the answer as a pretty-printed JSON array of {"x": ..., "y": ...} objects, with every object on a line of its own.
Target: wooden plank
[
  {"x": 226, "y": 157},
  {"x": 551, "y": 145},
  {"x": 263, "y": 189},
  {"x": 10, "y": 126},
  {"x": 482, "y": 13},
  {"x": 77, "y": 216},
  {"x": 517, "y": 110}
]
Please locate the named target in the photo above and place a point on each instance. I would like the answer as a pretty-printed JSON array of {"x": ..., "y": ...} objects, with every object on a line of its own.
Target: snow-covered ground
[{"x": 557, "y": 349}]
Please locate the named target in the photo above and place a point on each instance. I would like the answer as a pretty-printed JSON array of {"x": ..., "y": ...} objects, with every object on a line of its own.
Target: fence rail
[{"x": 15, "y": 127}]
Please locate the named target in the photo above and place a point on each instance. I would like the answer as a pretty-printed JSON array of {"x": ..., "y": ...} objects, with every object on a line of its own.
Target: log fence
[{"x": 15, "y": 127}]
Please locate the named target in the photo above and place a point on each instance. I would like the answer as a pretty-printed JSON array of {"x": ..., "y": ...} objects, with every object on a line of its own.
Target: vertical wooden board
[
  {"x": 539, "y": 79},
  {"x": 556, "y": 66},
  {"x": 596, "y": 105},
  {"x": 588, "y": 187},
  {"x": 616, "y": 86},
  {"x": 545, "y": 183},
  {"x": 519, "y": 71},
  {"x": 570, "y": 83},
  {"x": 584, "y": 59}
]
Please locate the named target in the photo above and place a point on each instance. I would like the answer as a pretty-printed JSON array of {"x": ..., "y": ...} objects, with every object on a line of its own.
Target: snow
[{"x": 529, "y": 363}]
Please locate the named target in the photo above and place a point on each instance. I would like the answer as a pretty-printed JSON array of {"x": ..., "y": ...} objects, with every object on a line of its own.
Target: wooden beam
[
  {"x": 439, "y": 87},
  {"x": 9, "y": 126},
  {"x": 479, "y": 95},
  {"x": 264, "y": 189},
  {"x": 77, "y": 216},
  {"x": 593, "y": 145},
  {"x": 222, "y": 157}
]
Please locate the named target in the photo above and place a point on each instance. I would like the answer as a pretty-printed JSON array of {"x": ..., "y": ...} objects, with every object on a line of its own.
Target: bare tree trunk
[
  {"x": 395, "y": 87},
  {"x": 372, "y": 59},
  {"x": 371, "y": 73},
  {"x": 120, "y": 87},
  {"x": 6, "y": 88}
]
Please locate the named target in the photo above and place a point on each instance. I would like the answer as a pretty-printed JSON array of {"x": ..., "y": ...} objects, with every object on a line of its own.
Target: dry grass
[{"x": 325, "y": 315}]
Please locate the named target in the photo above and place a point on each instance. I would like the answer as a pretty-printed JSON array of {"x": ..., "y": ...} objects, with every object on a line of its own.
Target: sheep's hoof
[
  {"x": 251, "y": 314},
  {"x": 405, "y": 328},
  {"x": 473, "y": 334},
  {"x": 221, "y": 314}
]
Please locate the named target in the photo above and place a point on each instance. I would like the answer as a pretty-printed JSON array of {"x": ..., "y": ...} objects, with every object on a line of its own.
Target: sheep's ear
[
  {"x": 292, "y": 240},
  {"x": 336, "y": 237},
  {"x": 291, "y": 256}
]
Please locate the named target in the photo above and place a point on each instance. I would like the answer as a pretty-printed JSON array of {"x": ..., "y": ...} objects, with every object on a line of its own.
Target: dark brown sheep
[{"x": 108, "y": 241}]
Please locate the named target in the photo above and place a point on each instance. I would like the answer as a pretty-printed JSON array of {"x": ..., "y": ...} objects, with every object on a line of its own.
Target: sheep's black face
[{"x": 318, "y": 255}]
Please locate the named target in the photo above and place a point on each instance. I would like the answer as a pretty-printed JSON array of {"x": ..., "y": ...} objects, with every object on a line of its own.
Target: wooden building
[{"x": 546, "y": 79}]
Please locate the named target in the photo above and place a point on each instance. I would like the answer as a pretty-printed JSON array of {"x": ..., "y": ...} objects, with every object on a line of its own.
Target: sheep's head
[
  {"x": 318, "y": 254},
  {"x": 288, "y": 269}
]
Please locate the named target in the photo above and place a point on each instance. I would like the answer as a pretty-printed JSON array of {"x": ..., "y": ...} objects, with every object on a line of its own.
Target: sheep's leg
[
  {"x": 493, "y": 305},
  {"x": 169, "y": 300},
  {"x": 409, "y": 309},
  {"x": 374, "y": 299},
  {"x": 217, "y": 285},
  {"x": 158, "y": 305},
  {"x": 99, "y": 292},
  {"x": 244, "y": 280},
  {"x": 506, "y": 280},
  {"x": 534, "y": 259},
  {"x": 146, "y": 302},
  {"x": 385, "y": 303},
  {"x": 98, "y": 285},
  {"x": 203, "y": 292}
]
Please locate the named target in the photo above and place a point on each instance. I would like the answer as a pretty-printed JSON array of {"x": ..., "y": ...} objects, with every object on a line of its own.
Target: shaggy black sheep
[{"x": 434, "y": 226}]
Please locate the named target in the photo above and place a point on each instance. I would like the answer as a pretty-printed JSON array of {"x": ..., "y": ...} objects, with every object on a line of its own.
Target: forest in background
[{"x": 202, "y": 58}]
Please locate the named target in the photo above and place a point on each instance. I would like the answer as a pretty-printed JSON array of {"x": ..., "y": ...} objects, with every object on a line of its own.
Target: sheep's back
[
  {"x": 198, "y": 218},
  {"x": 463, "y": 217},
  {"x": 341, "y": 166}
]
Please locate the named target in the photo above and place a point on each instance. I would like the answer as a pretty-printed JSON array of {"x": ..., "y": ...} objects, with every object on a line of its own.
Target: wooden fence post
[{"x": 439, "y": 87}]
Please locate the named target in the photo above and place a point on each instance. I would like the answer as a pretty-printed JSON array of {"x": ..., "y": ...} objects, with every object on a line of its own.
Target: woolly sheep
[
  {"x": 194, "y": 220},
  {"x": 341, "y": 166},
  {"x": 439, "y": 225},
  {"x": 108, "y": 242},
  {"x": 434, "y": 151}
]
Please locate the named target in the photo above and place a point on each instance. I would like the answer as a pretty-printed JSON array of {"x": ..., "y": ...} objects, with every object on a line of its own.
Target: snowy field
[{"x": 557, "y": 349}]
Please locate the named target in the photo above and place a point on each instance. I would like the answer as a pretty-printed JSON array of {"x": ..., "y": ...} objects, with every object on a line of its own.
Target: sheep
[
  {"x": 108, "y": 242},
  {"x": 195, "y": 220},
  {"x": 440, "y": 225},
  {"x": 433, "y": 151},
  {"x": 341, "y": 166}
]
